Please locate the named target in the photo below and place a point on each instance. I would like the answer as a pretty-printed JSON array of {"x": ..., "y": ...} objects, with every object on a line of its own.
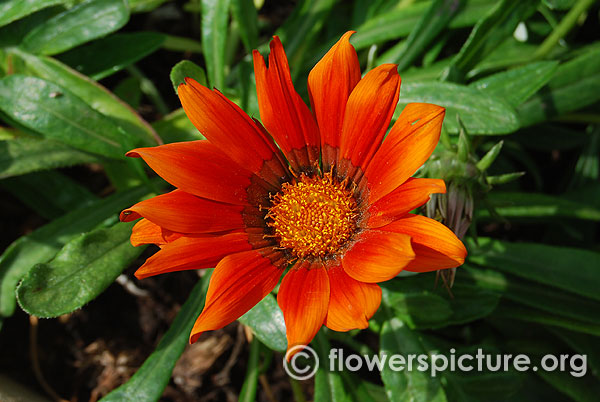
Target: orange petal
[
  {"x": 146, "y": 232},
  {"x": 411, "y": 140},
  {"x": 199, "y": 168},
  {"x": 410, "y": 195},
  {"x": 303, "y": 298},
  {"x": 185, "y": 213},
  {"x": 229, "y": 128},
  {"x": 435, "y": 246},
  {"x": 377, "y": 256},
  {"x": 237, "y": 284},
  {"x": 351, "y": 303},
  {"x": 194, "y": 253},
  {"x": 368, "y": 115},
  {"x": 282, "y": 110},
  {"x": 329, "y": 85}
]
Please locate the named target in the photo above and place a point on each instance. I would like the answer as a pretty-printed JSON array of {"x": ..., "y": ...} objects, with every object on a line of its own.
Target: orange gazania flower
[{"x": 330, "y": 200}]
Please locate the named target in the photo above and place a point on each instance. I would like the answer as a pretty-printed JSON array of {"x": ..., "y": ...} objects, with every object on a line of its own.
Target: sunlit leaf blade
[
  {"x": 489, "y": 32},
  {"x": 266, "y": 321},
  {"x": 215, "y": 15},
  {"x": 39, "y": 192},
  {"x": 57, "y": 114},
  {"x": 400, "y": 21},
  {"x": 42, "y": 244},
  {"x": 12, "y": 10},
  {"x": 402, "y": 385},
  {"x": 24, "y": 155},
  {"x": 244, "y": 13},
  {"x": 82, "y": 270},
  {"x": 144, "y": 6},
  {"x": 571, "y": 269},
  {"x": 118, "y": 50},
  {"x": 537, "y": 205},
  {"x": 94, "y": 94},
  {"x": 432, "y": 22},
  {"x": 519, "y": 84},
  {"x": 149, "y": 382},
  {"x": 84, "y": 22},
  {"x": 481, "y": 114},
  {"x": 574, "y": 85}
]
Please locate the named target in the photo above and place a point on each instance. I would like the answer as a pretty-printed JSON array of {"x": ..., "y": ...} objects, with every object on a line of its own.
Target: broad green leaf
[
  {"x": 184, "y": 69},
  {"x": 176, "y": 127},
  {"x": 13, "y": 33},
  {"x": 144, "y": 6},
  {"x": 95, "y": 95},
  {"x": 266, "y": 321},
  {"x": 24, "y": 155},
  {"x": 481, "y": 114},
  {"x": 329, "y": 385},
  {"x": 583, "y": 344},
  {"x": 400, "y": 21},
  {"x": 41, "y": 245},
  {"x": 149, "y": 382},
  {"x": 215, "y": 16},
  {"x": 82, "y": 270},
  {"x": 537, "y": 205},
  {"x": 55, "y": 113},
  {"x": 129, "y": 91},
  {"x": 437, "y": 17},
  {"x": 118, "y": 51},
  {"x": 519, "y": 84},
  {"x": 535, "y": 295},
  {"x": 86, "y": 21},
  {"x": 244, "y": 13},
  {"x": 49, "y": 193},
  {"x": 182, "y": 44},
  {"x": 574, "y": 85},
  {"x": 406, "y": 385},
  {"x": 571, "y": 269},
  {"x": 478, "y": 386},
  {"x": 489, "y": 32},
  {"x": 423, "y": 305},
  {"x": 12, "y": 10}
]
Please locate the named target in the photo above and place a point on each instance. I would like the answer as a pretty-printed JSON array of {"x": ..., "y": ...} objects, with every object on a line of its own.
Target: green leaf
[
  {"x": 244, "y": 13},
  {"x": 420, "y": 304},
  {"x": 12, "y": 10},
  {"x": 149, "y": 382},
  {"x": 266, "y": 321},
  {"x": 400, "y": 21},
  {"x": 575, "y": 84},
  {"x": 489, "y": 32},
  {"x": 39, "y": 192},
  {"x": 144, "y": 6},
  {"x": 571, "y": 269},
  {"x": 118, "y": 51},
  {"x": 184, "y": 69},
  {"x": 532, "y": 294},
  {"x": 519, "y": 84},
  {"x": 404, "y": 385},
  {"x": 481, "y": 114},
  {"x": 537, "y": 205},
  {"x": 41, "y": 245},
  {"x": 182, "y": 44},
  {"x": 329, "y": 385},
  {"x": 248, "y": 392},
  {"x": 215, "y": 15},
  {"x": 437, "y": 17},
  {"x": 82, "y": 270},
  {"x": 584, "y": 389},
  {"x": 95, "y": 95},
  {"x": 86, "y": 21},
  {"x": 24, "y": 155},
  {"x": 55, "y": 113},
  {"x": 176, "y": 127}
]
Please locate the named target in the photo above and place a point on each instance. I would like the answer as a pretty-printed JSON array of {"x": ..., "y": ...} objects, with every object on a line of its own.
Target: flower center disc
[{"x": 313, "y": 217}]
